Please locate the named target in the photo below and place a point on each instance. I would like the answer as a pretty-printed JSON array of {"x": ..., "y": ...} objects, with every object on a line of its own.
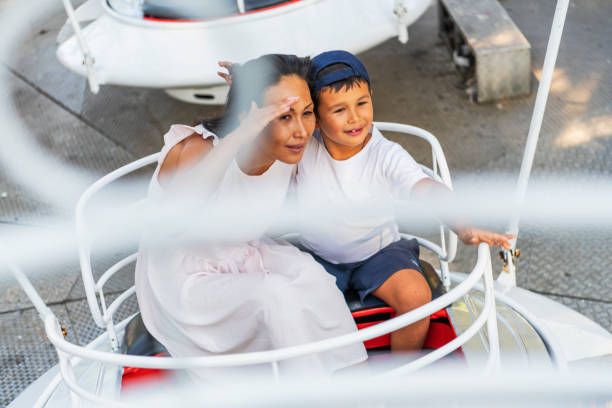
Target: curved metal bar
[
  {"x": 510, "y": 329},
  {"x": 487, "y": 314},
  {"x": 117, "y": 302},
  {"x": 448, "y": 348},
  {"x": 55, "y": 381},
  {"x": 83, "y": 237},
  {"x": 433, "y": 247},
  {"x": 75, "y": 388},
  {"x": 431, "y": 173},
  {"x": 425, "y": 135},
  {"x": 552, "y": 346},
  {"x": 492, "y": 331},
  {"x": 88, "y": 59},
  {"x": 39, "y": 304},
  {"x": 114, "y": 269},
  {"x": 279, "y": 354}
]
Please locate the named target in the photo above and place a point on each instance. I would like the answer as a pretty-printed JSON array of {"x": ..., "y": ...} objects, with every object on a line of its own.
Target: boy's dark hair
[
  {"x": 342, "y": 85},
  {"x": 249, "y": 83}
]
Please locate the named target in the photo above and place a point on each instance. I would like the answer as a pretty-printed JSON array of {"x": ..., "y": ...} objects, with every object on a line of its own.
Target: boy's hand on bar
[{"x": 475, "y": 236}]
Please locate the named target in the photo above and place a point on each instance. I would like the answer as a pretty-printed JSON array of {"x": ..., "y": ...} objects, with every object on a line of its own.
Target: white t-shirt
[{"x": 373, "y": 178}]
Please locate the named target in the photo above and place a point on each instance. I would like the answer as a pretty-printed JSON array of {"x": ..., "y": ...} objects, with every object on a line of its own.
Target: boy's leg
[{"x": 404, "y": 291}]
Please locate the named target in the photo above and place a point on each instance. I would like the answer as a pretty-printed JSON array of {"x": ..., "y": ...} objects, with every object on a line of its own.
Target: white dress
[{"x": 253, "y": 295}]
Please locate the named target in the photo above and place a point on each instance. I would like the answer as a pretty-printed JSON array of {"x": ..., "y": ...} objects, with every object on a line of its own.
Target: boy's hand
[
  {"x": 475, "y": 236},
  {"x": 227, "y": 65}
]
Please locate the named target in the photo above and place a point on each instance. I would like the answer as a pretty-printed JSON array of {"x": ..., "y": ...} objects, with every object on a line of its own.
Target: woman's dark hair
[{"x": 249, "y": 83}]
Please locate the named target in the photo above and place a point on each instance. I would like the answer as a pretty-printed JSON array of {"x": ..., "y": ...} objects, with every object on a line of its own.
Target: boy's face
[{"x": 345, "y": 119}]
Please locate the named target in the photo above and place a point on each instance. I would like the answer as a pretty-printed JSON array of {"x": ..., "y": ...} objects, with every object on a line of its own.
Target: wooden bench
[{"x": 487, "y": 47}]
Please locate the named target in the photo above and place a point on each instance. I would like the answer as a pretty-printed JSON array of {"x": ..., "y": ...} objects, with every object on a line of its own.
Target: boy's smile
[{"x": 345, "y": 119}]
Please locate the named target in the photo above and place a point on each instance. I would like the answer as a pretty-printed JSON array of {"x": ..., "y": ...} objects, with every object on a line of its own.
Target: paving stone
[
  {"x": 25, "y": 352},
  {"x": 53, "y": 281},
  {"x": 66, "y": 138}
]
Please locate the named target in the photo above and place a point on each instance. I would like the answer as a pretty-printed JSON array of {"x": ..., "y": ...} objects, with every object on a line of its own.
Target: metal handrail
[
  {"x": 483, "y": 263},
  {"x": 84, "y": 239},
  {"x": 488, "y": 314},
  {"x": 104, "y": 318},
  {"x": 88, "y": 59},
  {"x": 110, "y": 272},
  {"x": 446, "y": 253},
  {"x": 552, "y": 345}
]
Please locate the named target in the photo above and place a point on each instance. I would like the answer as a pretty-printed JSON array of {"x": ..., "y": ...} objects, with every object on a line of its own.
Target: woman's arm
[{"x": 190, "y": 168}]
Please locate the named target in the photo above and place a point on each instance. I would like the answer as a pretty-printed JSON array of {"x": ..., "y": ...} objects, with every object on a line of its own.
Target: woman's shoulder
[
  {"x": 183, "y": 145},
  {"x": 178, "y": 133}
]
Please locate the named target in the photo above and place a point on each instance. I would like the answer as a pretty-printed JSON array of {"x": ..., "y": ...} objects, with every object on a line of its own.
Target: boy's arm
[{"x": 428, "y": 190}]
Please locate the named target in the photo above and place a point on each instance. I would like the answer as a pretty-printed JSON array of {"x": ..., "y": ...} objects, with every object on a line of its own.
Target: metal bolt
[{"x": 4, "y": 194}]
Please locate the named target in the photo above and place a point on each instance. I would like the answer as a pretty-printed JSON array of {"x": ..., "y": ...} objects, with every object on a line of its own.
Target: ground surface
[{"x": 414, "y": 83}]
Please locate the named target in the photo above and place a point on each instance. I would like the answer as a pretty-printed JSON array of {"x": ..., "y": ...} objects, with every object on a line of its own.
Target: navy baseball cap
[{"x": 355, "y": 68}]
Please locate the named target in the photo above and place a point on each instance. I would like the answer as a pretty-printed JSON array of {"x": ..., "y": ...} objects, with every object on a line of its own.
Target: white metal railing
[
  {"x": 446, "y": 251},
  {"x": 482, "y": 269},
  {"x": 71, "y": 354},
  {"x": 88, "y": 59},
  {"x": 94, "y": 291}
]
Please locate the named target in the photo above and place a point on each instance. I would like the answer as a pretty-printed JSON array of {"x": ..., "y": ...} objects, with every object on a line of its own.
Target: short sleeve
[
  {"x": 402, "y": 171},
  {"x": 206, "y": 134},
  {"x": 178, "y": 133}
]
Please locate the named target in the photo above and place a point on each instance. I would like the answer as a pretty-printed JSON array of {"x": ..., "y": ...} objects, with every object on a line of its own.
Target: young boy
[{"x": 348, "y": 163}]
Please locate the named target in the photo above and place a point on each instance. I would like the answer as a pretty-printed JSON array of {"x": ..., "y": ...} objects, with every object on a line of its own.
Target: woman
[{"x": 242, "y": 292}]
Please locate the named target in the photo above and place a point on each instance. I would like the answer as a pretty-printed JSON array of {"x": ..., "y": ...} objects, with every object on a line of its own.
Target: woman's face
[{"x": 285, "y": 138}]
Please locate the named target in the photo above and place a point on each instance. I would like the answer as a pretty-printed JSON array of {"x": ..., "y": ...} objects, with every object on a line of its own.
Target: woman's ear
[{"x": 317, "y": 124}]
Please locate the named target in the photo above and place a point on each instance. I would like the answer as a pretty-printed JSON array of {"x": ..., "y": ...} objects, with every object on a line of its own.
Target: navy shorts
[{"x": 367, "y": 275}]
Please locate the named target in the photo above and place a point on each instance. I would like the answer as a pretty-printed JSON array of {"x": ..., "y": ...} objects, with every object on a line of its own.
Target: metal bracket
[{"x": 401, "y": 11}]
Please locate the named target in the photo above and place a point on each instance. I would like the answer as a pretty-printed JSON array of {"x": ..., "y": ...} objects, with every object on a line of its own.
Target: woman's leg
[{"x": 404, "y": 291}]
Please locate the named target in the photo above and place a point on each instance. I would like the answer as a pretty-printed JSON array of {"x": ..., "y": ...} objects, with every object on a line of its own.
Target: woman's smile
[{"x": 296, "y": 148}]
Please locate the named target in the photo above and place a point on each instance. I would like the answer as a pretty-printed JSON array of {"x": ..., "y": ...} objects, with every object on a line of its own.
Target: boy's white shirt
[{"x": 370, "y": 180}]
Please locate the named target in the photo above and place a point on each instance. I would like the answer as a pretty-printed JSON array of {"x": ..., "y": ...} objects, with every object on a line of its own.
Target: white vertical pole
[
  {"x": 240, "y": 5},
  {"x": 88, "y": 60},
  {"x": 493, "y": 362},
  {"x": 275, "y": 371},
  {"x": 550, "y": 59}
]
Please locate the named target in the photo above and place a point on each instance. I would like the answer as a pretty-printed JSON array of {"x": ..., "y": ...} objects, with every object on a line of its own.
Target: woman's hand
[
  {"x": 258, "y": 118},
  {"x": 227, "y": 65},
  {"x": 475, "y": 236}
]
